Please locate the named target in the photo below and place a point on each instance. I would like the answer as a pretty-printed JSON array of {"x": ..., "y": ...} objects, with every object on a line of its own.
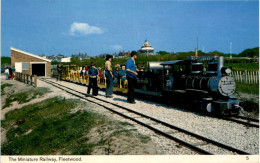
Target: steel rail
[
  {"x": 247, "y": 118},
  {"x": 240, "y": 122},
  {"x": 164, "y": 123}
]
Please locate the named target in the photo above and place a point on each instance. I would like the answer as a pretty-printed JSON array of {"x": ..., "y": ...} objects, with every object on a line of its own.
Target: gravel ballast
[{"x": 226, "y": 132}]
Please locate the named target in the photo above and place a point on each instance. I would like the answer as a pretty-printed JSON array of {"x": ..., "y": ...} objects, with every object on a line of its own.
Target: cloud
[
  {"x": 81, "y": 29},
  {"x": 116, "y": 47}
]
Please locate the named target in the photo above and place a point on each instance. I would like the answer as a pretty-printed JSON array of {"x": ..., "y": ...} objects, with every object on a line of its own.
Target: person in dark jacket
[
  {"x": 131, "y": 75},
  {"x": 10, "y": 72},
  {"x": 93, "y": 74},
  {"x": 59, "y": 71}
]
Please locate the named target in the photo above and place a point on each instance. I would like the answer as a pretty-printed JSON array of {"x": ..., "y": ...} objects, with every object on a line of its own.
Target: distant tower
[
  {"x": 146, "y": 48},
  {"x": 230, "y": 52}
]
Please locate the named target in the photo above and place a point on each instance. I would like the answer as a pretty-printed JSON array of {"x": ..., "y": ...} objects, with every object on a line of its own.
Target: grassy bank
[
  {"x": 49, "y": 127},
  {"x": 3, "y": 86},
  {"x": 25, "y": 96}
]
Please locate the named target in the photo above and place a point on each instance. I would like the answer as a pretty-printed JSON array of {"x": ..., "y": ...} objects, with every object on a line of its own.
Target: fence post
[
  {"x": 27, "y": 78},
  {"x": 35, "y": 80},
  {"x": 31, "y": 80},
  {"x": 248, "y": 77},
  {"x": 239, "y": 76},
  {"x": 244, "y": 76},
  {"x": 16, "y": 78},
  {"x": 251, "y": 77},
  {"x": 235, "y": 75},
  {"x": 257, "y": 77}
]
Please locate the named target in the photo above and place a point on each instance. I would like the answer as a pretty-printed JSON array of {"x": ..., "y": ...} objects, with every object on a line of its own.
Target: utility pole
[
  {"x": 197, "y": 43},
  {"x": 230, "y": 52}
]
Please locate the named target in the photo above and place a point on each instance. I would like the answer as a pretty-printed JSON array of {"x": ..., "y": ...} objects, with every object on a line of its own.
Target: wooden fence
[
  {"x": 26, "y": 78},
  {"x": 246, "y": 77}
]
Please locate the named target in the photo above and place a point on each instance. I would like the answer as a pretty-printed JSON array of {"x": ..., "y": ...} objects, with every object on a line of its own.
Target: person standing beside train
[
  {"x": 59, "y": 71},
  {"x": 131, "y": 75},
  {"x": 93, "y": 74},
  {"x": 109, "y": 76},
  {"x": 7, "y": 73}
]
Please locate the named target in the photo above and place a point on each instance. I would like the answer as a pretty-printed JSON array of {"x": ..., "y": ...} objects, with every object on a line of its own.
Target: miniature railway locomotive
[{"x": 187, "y": 82}]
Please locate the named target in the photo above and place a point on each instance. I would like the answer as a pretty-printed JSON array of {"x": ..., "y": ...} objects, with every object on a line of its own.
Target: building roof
[{"x": 30, "y": 54}]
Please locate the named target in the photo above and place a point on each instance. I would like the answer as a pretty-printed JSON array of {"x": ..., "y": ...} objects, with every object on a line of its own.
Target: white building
[
  {"x": 146, "y": 48},
  {"x": 68, "y": 59}
]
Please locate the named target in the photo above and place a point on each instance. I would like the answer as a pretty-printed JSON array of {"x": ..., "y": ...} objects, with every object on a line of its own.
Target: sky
[{"x": 101, "y": 26}]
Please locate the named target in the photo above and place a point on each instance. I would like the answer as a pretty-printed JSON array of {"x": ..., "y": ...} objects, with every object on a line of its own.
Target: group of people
[
  {"x": 126, "y": 73},
  {"x": 130, "y": 76},
  {"x": 119, "y": 75},
  {"x": 10, "y": 74},
  {"x": 92, "y": 73}
]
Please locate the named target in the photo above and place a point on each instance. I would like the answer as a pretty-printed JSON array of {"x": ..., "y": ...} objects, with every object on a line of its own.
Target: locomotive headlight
[{"x": 226, "y": 71}]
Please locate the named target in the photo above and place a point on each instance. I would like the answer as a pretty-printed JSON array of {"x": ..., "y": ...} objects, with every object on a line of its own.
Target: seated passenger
[
  {"x": 115, "y": 74},
  {"x": 122, "y": 75},
  {"x": 73, "y": 71},
  {"x": 82, "y": 72}
]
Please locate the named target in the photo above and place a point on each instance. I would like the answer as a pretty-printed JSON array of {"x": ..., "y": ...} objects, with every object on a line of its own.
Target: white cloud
[
  {"x": 80, "y": 29},
  {"x": 116, "y": 47}
]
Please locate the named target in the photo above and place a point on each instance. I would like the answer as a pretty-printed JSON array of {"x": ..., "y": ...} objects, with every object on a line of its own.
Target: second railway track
[
  {"x": 248, "y": 122},
  {"x": 198, "y": 143}
]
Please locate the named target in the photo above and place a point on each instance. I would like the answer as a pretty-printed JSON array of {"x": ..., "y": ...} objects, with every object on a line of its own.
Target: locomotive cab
[{"x": 172, "y": 77}]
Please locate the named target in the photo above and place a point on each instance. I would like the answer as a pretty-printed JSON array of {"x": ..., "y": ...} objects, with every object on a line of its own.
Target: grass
[
  {"x": 53, "y": 128},
  {"x": 249, "y": 104},
  {"x": 243, "y": 66},
  {"x": 3, "y": 86},
  {"x": 25, "y": 96},
  {"x": 248, "y": 88},
  {"x": 49, "y": 127}
]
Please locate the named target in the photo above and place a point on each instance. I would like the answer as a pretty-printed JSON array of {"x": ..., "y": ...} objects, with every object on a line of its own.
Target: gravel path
[{"x": 230, "y": 133}]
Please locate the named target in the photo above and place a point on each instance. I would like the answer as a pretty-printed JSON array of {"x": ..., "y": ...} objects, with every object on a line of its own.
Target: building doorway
[{"x": 38, "y": 69}]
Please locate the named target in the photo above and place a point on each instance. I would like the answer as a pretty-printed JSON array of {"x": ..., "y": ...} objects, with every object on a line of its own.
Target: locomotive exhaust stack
[{"x": 220, "y": 65}]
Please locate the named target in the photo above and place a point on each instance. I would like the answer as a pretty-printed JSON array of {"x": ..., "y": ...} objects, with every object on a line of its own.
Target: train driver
[{"x": 131, "y": 75}]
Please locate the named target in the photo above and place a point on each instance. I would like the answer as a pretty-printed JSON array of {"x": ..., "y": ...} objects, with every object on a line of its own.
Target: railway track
[
  {"x": 197, "y": 143},
  {"x": 246, "y": 118},
  {"x": 248, "y": 122}
]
